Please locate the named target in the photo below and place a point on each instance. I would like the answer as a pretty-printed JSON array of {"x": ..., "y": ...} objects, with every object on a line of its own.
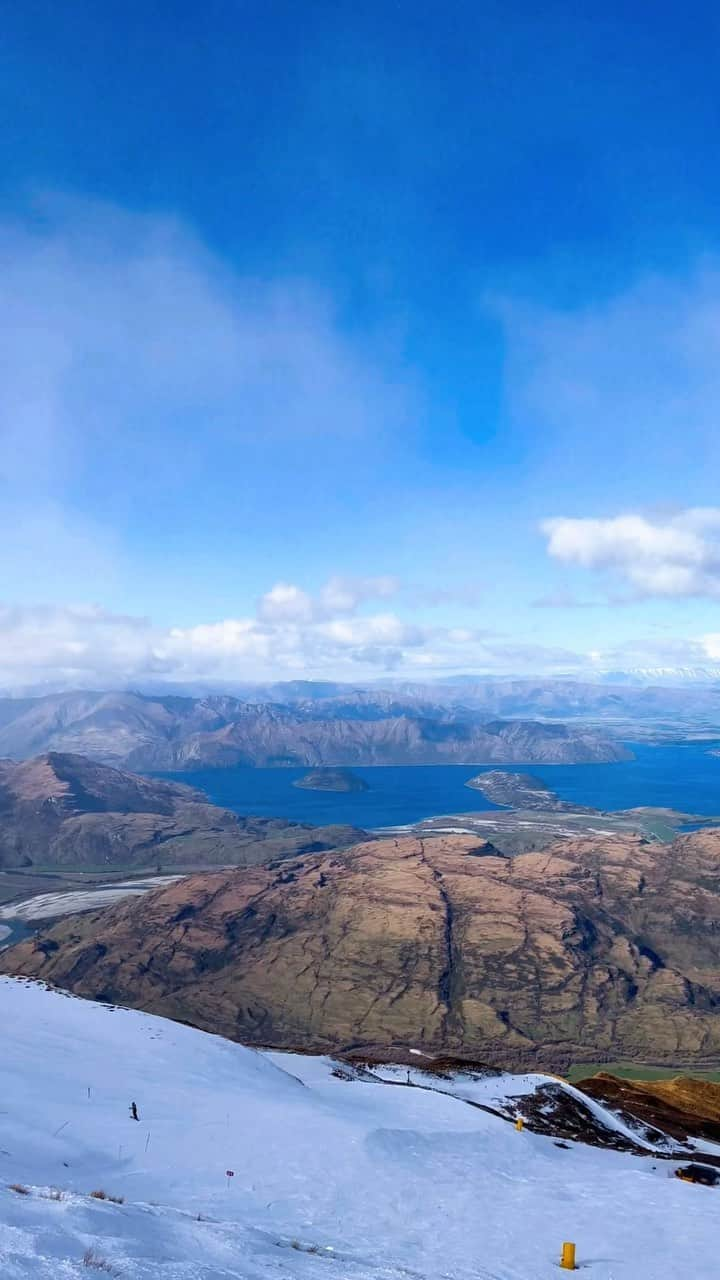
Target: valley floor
[{"x": 336, "y": 1178}]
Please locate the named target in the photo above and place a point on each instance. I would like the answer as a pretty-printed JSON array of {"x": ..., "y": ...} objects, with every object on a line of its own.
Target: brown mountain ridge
[
  {"x": 63, "y": 810},
  {"x": 595, "y": 949}
]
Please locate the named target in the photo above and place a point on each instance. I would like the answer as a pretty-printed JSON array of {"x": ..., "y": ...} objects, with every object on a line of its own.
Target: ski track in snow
[{"x": 349, "y": 1180}]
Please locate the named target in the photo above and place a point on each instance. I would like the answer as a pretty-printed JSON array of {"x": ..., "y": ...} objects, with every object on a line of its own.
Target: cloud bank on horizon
[
  {"x": 292, "y": 635},
  {"x": 378, "y": 367}
]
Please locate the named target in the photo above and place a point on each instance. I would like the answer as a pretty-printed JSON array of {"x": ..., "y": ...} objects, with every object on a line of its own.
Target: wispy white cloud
[
  {"x": 286, "y": 602},
  {"x": 111, "y": 318},
  {"x": 672, "y": 557},
  {"x": 135, "y": 365}
]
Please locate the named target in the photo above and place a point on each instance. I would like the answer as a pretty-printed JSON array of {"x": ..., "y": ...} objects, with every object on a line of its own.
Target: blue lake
[{"x": 678, "y": 776}]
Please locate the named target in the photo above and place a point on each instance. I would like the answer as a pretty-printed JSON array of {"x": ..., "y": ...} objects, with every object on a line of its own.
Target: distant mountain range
[
  {"x": 627, "y": 698},
  {"x": 346, "y": 726},
  {"x": 60, "y": 810}
]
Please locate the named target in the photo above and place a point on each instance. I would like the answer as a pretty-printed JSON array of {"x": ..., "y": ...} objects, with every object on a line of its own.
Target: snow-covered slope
[{"x": 344, "y": 1179}]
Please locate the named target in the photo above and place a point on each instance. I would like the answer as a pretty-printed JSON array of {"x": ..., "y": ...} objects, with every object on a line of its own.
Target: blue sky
[{"x": 318, "y": 319}]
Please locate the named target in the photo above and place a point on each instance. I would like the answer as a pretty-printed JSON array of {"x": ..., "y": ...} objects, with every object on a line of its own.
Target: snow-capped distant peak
[{"x": 663, "y": 675}]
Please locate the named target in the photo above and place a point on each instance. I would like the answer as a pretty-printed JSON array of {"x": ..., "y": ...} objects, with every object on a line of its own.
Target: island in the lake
[
  {"x": 331, "y": 780},
  {"x": 520, "y": 791}
]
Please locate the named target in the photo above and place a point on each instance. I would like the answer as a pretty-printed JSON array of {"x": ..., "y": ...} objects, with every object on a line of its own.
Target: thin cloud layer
[
  {"x": 137, "y": 368},
  {"x": 88, "y": 647},
  {"x": 111, "y": 319},
  {"x": 622, "y": 392}
]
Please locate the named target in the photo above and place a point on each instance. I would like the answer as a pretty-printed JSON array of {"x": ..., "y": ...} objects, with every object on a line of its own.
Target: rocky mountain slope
[
  {"x": 170, "y": 733},
  {"x": 682, "y": 1107},
  {"x": 66, "y": 811},
  {"x": 594, "y": 949}
]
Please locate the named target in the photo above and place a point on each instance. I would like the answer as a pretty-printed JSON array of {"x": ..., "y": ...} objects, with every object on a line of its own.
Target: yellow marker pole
[
  {"x": 567, "y": 1257},
  {"x": 519, "y": 1124}
]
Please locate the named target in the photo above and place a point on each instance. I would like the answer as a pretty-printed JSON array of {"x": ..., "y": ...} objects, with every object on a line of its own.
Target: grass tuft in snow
[
  {"x": 97, "y": 1262},
  {"x": 105, "y": 1195}
]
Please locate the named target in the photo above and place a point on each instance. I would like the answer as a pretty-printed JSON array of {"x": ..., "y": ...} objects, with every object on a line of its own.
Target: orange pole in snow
[{"x": 567, "y": 1257}]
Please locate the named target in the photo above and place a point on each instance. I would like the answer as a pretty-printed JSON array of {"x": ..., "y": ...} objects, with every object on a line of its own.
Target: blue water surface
[{"x": 678, "y": 776}]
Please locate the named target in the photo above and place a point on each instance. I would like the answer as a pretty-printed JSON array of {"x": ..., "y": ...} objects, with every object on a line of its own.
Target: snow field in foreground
[{"x": 333, "y": 1178}]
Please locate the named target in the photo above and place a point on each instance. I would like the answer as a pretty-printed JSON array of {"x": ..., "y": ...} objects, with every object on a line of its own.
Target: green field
[{"x": 633, "y": 1071}]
